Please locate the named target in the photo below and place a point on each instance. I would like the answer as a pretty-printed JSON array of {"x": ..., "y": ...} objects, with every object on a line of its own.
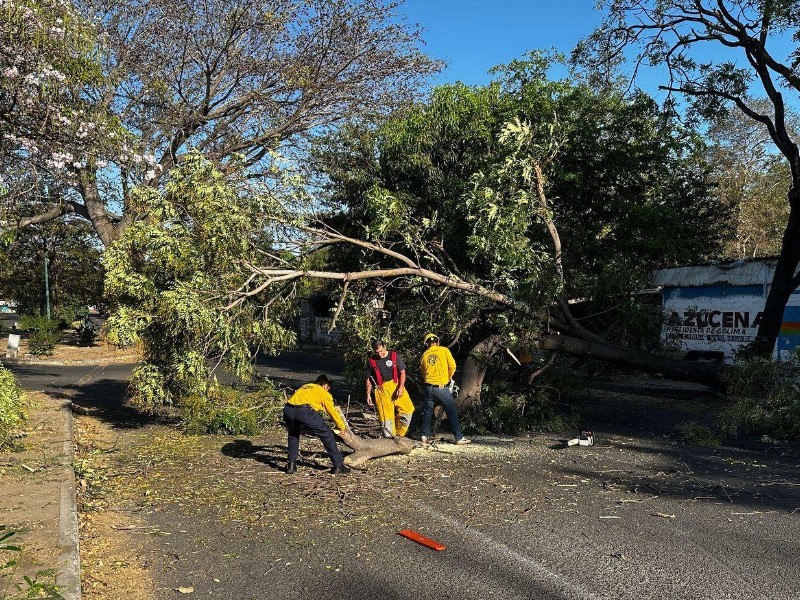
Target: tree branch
[{"x": 56, "y": 211}]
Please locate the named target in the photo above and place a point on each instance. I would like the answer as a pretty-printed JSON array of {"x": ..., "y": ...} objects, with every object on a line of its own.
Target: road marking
[{"x": 563, "y": 586}]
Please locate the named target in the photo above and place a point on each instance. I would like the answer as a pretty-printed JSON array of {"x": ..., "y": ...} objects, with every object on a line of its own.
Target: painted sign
[
  {"x": 714, "y": 318},
  {"x": 725, "y": 318},
  {"x": 789, "y": 337}
]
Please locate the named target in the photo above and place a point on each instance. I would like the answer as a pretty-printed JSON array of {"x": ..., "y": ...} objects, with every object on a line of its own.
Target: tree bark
[
  {"x": 95, "y": 208},
  {"x": 369, "y": 448},
  {"x": 473, "y": 373},
  {"x": 684, "y": 370},
  {"x": 783, "y": 284}
]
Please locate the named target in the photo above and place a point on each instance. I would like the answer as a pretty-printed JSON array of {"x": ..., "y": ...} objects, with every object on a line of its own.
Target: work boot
[
  {"x": 291, "y": 468},
  {"x": 463, "y": 441},
  {"x": 425, "y": 439},
  {"x": 343, "y": 470}
]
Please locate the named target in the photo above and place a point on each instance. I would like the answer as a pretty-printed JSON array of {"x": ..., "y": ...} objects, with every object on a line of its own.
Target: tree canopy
[
  {"x": 74, "y": 266},
  {"x": 627, "y": 184},
  {"x": 757, "y": 46},
  {"x": 169, "y": 278},
  {"x": 236, "y": 80},
  {"x": 538, "y": 192}
]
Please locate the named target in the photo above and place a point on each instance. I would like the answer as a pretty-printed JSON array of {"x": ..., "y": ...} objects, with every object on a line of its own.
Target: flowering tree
[
  {"x": 237, "y": 80},
  {"x": 49, "y": 127}
]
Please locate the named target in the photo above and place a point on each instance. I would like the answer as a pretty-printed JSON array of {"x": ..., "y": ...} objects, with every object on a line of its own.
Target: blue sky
[{"x": 472, "y": 36}]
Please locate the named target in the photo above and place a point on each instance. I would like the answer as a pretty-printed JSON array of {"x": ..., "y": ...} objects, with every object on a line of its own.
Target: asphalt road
[
  {"x": 289, "y": 370},
  {"x": 635, "y": 516}
]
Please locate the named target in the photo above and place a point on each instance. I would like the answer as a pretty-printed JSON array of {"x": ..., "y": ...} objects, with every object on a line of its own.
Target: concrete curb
[{"x": 69, "y": 575}]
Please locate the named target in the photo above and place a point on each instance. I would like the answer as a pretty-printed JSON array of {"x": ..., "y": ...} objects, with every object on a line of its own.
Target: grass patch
[
  {"x": 700, "y": 435},
  {"x": 13, "y": 587},
  {"x": 766, "y": 399}
]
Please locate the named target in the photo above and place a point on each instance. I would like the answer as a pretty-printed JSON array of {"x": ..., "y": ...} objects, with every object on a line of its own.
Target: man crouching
[{"x": 302, "y": 411}]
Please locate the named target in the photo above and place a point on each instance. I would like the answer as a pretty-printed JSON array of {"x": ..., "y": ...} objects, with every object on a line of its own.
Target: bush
[
  {"x": 231, "y": 411},
  {"x": 513, "y": 412},
  {"x": 12, "y": 414},
  {"x": 44, "y": 334},
  {"x": 68, "y": 314},
  {"x": 767, "y": 397},
  {"x": 698, "y": 434}
]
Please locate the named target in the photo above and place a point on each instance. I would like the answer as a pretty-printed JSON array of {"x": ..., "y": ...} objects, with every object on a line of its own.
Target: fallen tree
[
  {"x": 570, "y": 337},
  {"x": 235, "y": 296},
  {"x": 369, "y": 448}
]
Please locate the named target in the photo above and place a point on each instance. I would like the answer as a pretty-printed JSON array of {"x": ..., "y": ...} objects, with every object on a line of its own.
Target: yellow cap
[{"x": 430, "y": 336}]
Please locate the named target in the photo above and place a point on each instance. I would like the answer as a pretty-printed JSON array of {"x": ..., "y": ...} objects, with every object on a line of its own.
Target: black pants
[{"x": 302, "y": 416}]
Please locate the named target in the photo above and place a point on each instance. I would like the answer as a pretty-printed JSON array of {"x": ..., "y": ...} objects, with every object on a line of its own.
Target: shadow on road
[
  {"x": 106, "y": 399},
  {"x": 756, "y": 480},
  {"x": 274, "y": 456}
]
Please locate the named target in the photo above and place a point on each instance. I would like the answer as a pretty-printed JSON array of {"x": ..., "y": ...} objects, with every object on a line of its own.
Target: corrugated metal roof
[{"x": 739, "y": 272}]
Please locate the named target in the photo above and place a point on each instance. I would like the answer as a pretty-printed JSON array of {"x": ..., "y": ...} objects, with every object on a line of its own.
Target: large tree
[
  {"x": 483, "y": 186},
  {"x": 49, "y": 127},
  {"x": 759, "y": 37},
  {"x": 239, "y": 81},
  {"x": 74, "y": 269}
]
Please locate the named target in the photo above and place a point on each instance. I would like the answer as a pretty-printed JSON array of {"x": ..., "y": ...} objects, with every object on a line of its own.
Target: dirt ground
[
  {"x": 142, "y": 472},
  {"x": 30, "y": 491},
  {"x": 68, "y": 351},
  {"x": 155, "y": 502},
  {"x": 111, "y": 563}
]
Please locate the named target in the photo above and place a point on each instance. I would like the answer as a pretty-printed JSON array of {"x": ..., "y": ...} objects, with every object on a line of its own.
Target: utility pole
[{"x": 46, "y": 282}]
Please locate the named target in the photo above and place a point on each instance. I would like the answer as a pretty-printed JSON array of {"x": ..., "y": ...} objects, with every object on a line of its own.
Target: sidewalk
[
  {"x": 38, "y": 498},
  {"x": 38, "y": 493}
]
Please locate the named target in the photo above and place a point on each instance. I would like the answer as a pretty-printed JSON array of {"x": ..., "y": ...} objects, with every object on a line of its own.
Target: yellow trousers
[{"x": 395, "y": 415}]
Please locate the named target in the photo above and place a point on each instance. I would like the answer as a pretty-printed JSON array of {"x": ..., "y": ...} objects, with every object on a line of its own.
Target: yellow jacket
[
  {"x": 318, "y": 398},
  {"x": 437, "y": 365}
]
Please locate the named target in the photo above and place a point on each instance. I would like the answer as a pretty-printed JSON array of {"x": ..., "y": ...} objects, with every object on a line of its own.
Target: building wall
[
  {"x": 723, "y": 318},
  {"x": 712, "y": 318}
]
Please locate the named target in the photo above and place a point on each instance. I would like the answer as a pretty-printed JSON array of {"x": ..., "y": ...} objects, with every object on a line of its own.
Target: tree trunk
[
  {"x": 368, "y": 448},
  {"x": 684, "y": 370},
  {"x": 95, "y": 208},
  {"x": 783, "y": 283},
  {"x": 473, "y": 373}
]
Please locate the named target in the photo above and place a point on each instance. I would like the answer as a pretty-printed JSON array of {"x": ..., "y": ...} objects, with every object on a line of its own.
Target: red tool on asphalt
[{"x": 421, "y": 539}]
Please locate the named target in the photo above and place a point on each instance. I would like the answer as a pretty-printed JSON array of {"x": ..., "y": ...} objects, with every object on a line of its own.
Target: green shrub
[
  {"x": 512, "y": 412},
  {"x": 698, "y": 434},
  {"x": 754, "y": 377},
  {"x": 12, "y": 414},
  {"x": 68, "y": 314},
  {"x": 767, "y": 399},
  {"x": 232, "y": 411},
  {"x": 44, "y": 334}
]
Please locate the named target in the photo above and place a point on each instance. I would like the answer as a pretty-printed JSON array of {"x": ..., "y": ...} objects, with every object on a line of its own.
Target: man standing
[
  {"x": 438, "y": 366},
  {"x": 386, "y": 372},
  {"x": 301, "y": 411}
]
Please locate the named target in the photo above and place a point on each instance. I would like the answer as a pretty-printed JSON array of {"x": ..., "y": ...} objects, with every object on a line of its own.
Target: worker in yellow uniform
[
  {"x": 386, "y": 374},
  {"x": 302, "y": 411},
  {"x": 438, "y": 367}
]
